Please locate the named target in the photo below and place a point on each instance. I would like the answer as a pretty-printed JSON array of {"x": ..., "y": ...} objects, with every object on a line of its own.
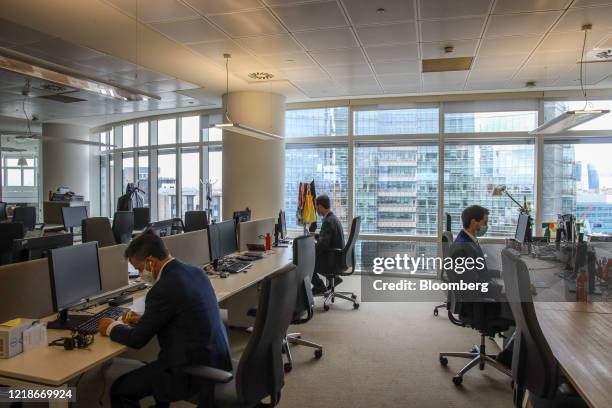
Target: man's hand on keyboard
[
  {"x": 130, "y": 318},
  {"x": 104, "y": 323}
]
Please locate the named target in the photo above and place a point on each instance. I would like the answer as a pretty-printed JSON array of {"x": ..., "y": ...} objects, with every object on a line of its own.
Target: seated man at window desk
[
  {"x": 181, "y": 310},
  {"x": 331, "y": 236},
  {"x": 475, "y": 220}
]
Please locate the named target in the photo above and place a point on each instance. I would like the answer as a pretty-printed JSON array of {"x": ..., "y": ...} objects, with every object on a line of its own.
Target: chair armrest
[{"x": 210, "y": 373}]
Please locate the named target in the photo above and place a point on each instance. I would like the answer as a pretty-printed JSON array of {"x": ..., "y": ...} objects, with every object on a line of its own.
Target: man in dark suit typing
[
  {"x": 331, "y": 236},
  {"x": 181, "y": 310}
]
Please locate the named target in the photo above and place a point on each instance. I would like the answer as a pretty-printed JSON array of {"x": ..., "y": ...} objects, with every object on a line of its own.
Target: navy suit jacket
[
  {"x": 182, "y": 310},
  {"x": 331, "y": 236}
]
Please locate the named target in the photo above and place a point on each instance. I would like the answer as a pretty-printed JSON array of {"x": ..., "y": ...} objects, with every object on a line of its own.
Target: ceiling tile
[
  {"x": 339, "y": 71},
  {"x": 402, "y": 33},
  {"x": 248, "y": 23},
  {"x": 571, "y": 41},
  {"x": 155, "y": 10},
  {"x": 310, "y": 73},
  {"x": 363, "y": 12},
  {"x": 388, "y": 53},
  {"x": 398, "y": 80},
  {"x": 398, "y": 67},
  {"x": 59, "y": 48},
  {"x": 215, "y": 50},
  {"x": 339, "y": 57},
  {"x": 190, "y": 31},
  {"x": 462, "y": 48},
  {"x": 500, "y": 61},
  {"x": 488, "y": 85},
  {"x": 521, "y": 6},
  {"x": 586, "y": 3},
  {"x": 540, "y": 73},
  {"x": 169, "y": 85},
  {"x": 311, "y": 15},
  {"x": 592, "y": 74},
  {"x": 18, "y": 35},
  {"x": 406, "y": 88},
  {"x": 488, "y": 75},
  {"x": 444, "y": 77},
  {"x": 271, "y": 44},
  {"x": 361, "y": 90},
  {"x": 352, "y": 82},
  {"x": 507, "y": 45},
  {"x": 575, "y": 18},
  {"x": 327, "y": 39},
  {"x": 201, "y": 94},
  {"x": 455, "y": 8},
  {"x": 544, "y": 58},
  {"x": 521, "y": 24},
  {"x": 143, "y": 75},
  {"x": 108, "y": 64},
  {"x": 295, "y": 60},
  {"x": 456, "y": 29},
  {"x": 223, "y": 6}
]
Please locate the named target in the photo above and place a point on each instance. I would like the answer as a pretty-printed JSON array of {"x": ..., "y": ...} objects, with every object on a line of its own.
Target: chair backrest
[
  {"x": 142, "y": 217},
  {"x": 97, "y": 229},
  {"x": 3, "y": 211},
  {"x": 534, "y": 366},
  {"x": 195, "y": 220},
  {"x": 348, "y": 252},
  {"x": 260, "y": 371},
  {"x": 9, "y": 231},
  {"x": 26, "y": 215},
  {"x": 304, "y": 258},
  {"x": 123, "y": 226},
  {"x": 447, "y": 240}
]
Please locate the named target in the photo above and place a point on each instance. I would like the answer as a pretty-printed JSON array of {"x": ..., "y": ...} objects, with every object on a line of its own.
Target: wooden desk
[
  {"x": 53, "y": 366},
  {"x": 580, "y": 337}
]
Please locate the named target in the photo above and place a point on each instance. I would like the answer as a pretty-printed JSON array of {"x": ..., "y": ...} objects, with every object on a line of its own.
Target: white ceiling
[{"x": 341, "y": 48}]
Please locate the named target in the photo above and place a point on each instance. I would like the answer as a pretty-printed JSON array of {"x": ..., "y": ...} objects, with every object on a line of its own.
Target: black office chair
[
  {"x": 304, "y": 259},
  {"x": 3, "y": 216},
  {"x": 178, "y": 227},
  {"x": 142, "y": 217},
  {"x": 259, "y": 373},
  {"x": 123, "y": 226},
  {"x": 25, "y": 215},
  {"x": 447, "y": 240},
  {"x": 9, "y": 231},
  {"x": 345, "y": 260},
  {"x": 195, "y": 220},
  {"x": 534, "y": 366},
  {"x": 97, "y": 229},
  {"x": 480, "y": 313}
]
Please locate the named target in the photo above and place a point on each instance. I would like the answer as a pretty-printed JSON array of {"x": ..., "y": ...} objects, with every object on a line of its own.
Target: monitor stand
[{"x": 66, "y": 321}]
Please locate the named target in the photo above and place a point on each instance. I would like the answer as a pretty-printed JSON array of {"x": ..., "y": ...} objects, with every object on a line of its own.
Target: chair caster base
[
  {"x": 457, "y": 380},
  {"x": 435, "y": 312},
  {"x": 325, "y": 307},
  {"x": 355, "y": 306},
  {"x": 288, "y": 367},
  {"x": 444, "y": 361},
  {"x": 318, "y": 353}
]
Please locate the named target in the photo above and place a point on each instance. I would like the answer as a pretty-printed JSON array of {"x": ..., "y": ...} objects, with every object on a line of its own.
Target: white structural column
[
  {"x": 65, "y": 164},
  {"x": 254, "y": 169}
]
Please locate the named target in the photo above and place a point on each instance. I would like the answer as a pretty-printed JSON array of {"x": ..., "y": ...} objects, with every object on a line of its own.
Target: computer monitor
[
  {"x": 162, "y": 228},
  {"x": 75, "y": 277},
  {"x": 521, "y": 228},
  {"x": 28, "y": 249},
  {"x": 73, "y": 216},
  {"x": 282, "y": 224},
  {"x": 222, "y": 239},
  {"x": 242, "y": 216}
]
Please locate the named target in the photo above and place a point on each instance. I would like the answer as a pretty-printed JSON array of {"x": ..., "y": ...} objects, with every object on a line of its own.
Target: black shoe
[
  {"x": 318, "y": 290},
  {"x": 505, "y": 358},
  {"x": 337, "y": 281}
]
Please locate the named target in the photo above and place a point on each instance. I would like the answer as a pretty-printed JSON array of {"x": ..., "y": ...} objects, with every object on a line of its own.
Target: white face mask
[{"x": 147, "y": 276}]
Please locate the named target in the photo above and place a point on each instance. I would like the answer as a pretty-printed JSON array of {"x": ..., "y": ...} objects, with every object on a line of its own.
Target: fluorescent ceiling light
[
  {"x": 568, "y": 120},
  {"x": 247, "y": 131},
  {"x": 35, "y": 68}
]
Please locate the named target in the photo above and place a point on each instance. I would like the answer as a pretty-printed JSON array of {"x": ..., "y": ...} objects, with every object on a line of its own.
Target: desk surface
[
  {"x": 55, "y": 366},
  {"x": 580, "y": 337}
]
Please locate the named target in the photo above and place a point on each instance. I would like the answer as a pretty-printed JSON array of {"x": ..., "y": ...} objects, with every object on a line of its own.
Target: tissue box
[{"x": 11, "y": 340}]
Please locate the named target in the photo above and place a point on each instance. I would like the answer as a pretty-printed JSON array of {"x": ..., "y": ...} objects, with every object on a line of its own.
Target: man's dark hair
[
  {"x": 473, "y": 212},
  {"x": 146, "y": 244},
  {"x": 323, "y": 200}
]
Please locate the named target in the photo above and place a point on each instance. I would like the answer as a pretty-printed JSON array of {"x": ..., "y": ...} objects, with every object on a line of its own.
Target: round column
[
  {"x": 254, "y": 169},
  {"x": 65, "y": 164}
]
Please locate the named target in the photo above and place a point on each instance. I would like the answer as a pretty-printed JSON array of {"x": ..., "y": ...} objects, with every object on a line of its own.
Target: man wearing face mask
[
  {"x": 331, "y": 236},
  {"x": 181, "y": 310}
]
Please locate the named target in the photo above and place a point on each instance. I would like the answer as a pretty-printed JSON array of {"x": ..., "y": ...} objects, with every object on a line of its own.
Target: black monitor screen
[
  {"x": 28, "y": 249},
  {"x": 283, "y": 224},
  {"x": 73, "y": 216},
  {"x": 222, "y": 239},
  {"x": 521, "y": 228},
  {"x": 242, "y": 216},
  {"x": 75, "y": 274}
]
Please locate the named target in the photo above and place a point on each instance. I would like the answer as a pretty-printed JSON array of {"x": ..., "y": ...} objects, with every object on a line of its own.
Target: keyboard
[
  {"x": 235, "y": 267},
  {"x": 91, "y": 325}
]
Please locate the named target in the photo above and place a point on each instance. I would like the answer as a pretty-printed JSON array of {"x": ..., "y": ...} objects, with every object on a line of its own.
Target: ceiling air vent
[
  {"x": 63, "y": 98},
  {"x": 447, "y": 64}
]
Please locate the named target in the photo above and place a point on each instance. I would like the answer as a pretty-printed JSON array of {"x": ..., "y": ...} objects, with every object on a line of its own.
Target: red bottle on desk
[
  {"x": 268, "y": 242},
  {"x": 581, "y": 286}
]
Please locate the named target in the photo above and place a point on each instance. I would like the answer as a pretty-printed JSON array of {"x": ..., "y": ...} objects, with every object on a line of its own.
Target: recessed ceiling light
[
  {"x": 380, "y": 10},
  {"x": 260, "y": 76}
]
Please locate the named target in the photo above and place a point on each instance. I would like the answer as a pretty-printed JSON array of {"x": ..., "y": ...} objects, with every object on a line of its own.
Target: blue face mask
[{"x": 482, "y": 230}]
